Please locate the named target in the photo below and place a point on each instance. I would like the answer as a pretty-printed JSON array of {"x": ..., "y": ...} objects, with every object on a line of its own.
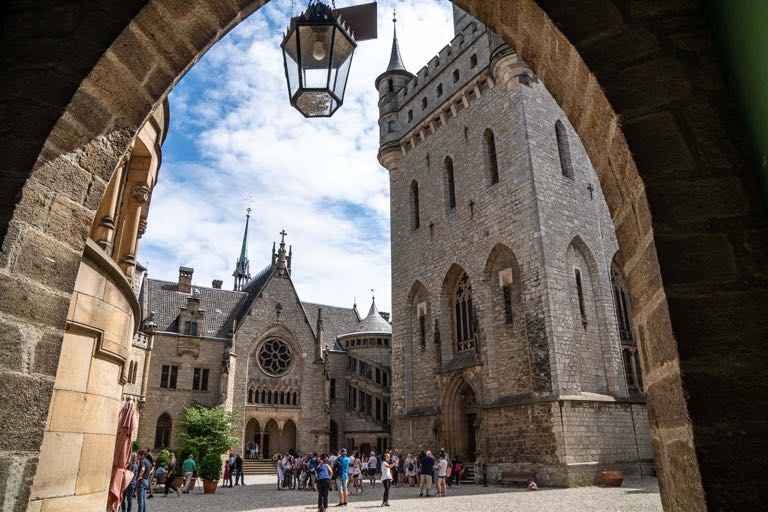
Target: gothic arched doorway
[
  {"x": 461, "y": 413},
  {"x": 271, "y": 439},
  {"x": 288, "y": 437},
  {"x": 252, "y": 434}
]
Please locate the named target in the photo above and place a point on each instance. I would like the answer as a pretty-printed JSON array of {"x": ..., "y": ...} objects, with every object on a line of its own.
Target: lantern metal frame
[{"x": 317, "y": 16}]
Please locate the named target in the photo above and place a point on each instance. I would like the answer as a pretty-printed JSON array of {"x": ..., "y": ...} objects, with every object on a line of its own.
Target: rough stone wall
[{"x": 169, "y": 349}]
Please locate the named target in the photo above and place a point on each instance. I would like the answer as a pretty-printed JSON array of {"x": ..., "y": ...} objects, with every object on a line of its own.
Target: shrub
[
  {"x": 208, "y": 430},
  {"x": 183, "y": 452},
  {"x": 163, "y": 458},
  {"x": 210, "y": 468}
]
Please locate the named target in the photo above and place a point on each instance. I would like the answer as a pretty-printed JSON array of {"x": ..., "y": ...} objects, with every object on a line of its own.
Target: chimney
[
  {"x": 217, "y": 283},
  {"x": 185, "y": 279}
]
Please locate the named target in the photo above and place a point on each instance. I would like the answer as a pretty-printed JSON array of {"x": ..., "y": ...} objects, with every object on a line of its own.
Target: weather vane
[{"x": 249, "y": 200}]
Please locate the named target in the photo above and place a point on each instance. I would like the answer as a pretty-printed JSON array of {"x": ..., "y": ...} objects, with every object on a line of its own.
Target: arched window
[
  {"x": 450, "y": 184},
  {"x": 390, "y": 85},
  {"x": 621, "y": 302},
  {"x": 263, "y": 397},
  {"x": 390, "y": 126},
  {"x": 464, "y": 315},
  {"x": 250, "y": 396},
  {"x": 563, "y": 148},
  {"x": 282, "y": 398},
  {"x": 415, "y": 217},
  {"x": 295, "y": 398},
  {"x": 491, "y": 158},
  {"x": 269, "y": 397},
  {"x": 163, "y": 431}
]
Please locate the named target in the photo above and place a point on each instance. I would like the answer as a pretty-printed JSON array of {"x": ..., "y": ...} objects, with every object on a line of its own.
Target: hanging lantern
[{"x": 317, "y": 55}]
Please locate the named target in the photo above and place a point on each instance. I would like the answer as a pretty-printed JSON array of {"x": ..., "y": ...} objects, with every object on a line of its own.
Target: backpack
[
  {"x": 410, "y": 466},
  {"x": 336, "y": 468}
]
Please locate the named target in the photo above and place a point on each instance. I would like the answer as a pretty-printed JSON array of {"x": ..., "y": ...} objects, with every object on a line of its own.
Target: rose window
[{"x": 275, "y": 357}]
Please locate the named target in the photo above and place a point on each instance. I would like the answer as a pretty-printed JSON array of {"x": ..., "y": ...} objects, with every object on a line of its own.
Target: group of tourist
[
  {"x": 147, "y": 475},
  {"x": 345, "y": 473},
  {"x": 233, "y": 470}
]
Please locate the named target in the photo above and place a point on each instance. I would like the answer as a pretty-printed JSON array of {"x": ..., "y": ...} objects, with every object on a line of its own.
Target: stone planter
[
  {"x": 209, "y": 486},
  {"x": 178, "y": 482},
  {"x": 612, "y": 478}
]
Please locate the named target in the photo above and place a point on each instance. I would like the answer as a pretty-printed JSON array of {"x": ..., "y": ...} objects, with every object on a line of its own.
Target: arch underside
[{"x": 91, "y": 95}]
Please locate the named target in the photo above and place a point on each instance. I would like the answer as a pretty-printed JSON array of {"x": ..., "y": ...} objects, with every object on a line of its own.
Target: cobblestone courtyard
[{"x": 260, "y": 494}]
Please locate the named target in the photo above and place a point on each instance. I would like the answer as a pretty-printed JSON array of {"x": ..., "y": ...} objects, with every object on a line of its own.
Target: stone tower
[{"x": 501, "y": 272}]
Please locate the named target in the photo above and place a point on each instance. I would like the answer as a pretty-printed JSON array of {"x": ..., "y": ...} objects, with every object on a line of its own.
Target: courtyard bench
[{"x": 511, "y": 477}]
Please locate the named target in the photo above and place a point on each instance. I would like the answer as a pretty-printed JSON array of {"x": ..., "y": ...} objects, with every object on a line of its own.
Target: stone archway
[
  {"x": 461, "y": 412},
  {"x": 90, "y": 95},
  {"x": 288, "y": 437},
  {"x": 271, "y": 445},
  {"x": 252, "y": 434}
]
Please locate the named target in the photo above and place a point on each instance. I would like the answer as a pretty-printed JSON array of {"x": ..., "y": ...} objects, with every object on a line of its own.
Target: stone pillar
[{"x": 103, "y": 231}]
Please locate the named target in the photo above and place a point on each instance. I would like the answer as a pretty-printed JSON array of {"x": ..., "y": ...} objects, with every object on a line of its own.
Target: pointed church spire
[
  {"x": 395, "y": 59},
  {"x": 242, "y": 273}
]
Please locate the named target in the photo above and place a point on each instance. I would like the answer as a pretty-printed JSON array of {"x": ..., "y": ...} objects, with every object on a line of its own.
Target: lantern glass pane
[
  {"x": 341, "y": 77},
  {"x": 291, "y": 66},
  {"x": 315, "y": 55}
]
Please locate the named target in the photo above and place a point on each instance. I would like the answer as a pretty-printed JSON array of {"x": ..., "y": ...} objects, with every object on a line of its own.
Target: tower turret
[
  {"x": 389, "y": 83},
  {"x": 242, "y": 272}
]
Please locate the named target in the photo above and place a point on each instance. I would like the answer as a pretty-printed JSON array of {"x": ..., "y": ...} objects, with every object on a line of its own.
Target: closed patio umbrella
[{"x": 121, "y": 477}]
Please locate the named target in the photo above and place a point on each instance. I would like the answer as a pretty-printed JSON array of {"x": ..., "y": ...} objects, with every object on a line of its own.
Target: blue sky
[{"x": 233, "y": 133}]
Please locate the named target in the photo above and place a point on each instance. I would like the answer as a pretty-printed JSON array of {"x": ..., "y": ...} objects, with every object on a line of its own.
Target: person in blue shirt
[
  {"x": 343, "y": 461},
  {"x": 127, "y": 505},
  {"x": 322, "y": 475}
]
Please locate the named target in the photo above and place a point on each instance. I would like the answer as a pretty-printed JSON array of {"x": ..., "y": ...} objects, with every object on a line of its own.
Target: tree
[{"x": 208, "y": 430}]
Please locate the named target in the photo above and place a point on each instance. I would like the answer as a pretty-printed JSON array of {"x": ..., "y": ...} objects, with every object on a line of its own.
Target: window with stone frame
[
  {"x": 455, "y": 75},
  {"x": 439, "y": 90},
  {"x": 491, "y": 157},
  {"x": 632, "y": 368},
  {"x": 168, "y": 376},
  {"x": 563, "y": 149},
  {"x": 473, "y": 61},
  {"x": 506, "y": 278},
  {"x": 200, "y": 379},
  {"x": 463, "y": 315},
  {"x": 450, "y": 184},
  {"x": 391, "y": 126},
  {"x": 163, "y": 431},
  {"x": 190, "y": 328},
  {"x": 580, "y": 294},
  {"x": 333, "y": 390},
  {"x": 621, "y": 304},
  {"x": 415, "y": 213}
]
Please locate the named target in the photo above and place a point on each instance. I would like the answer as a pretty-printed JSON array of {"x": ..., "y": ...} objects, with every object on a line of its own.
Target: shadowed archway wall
[{"x": 80, "y": 78}]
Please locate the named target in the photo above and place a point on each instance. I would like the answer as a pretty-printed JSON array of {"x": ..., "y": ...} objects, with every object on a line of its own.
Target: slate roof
[
  {"x": 253, "y": 289},
  {"x": 373, "y": 323},
  {"x": 220, "y": 306},
  {"x": 336, "y": 321}
]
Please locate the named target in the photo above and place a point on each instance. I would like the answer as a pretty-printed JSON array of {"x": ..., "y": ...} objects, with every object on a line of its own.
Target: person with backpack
[{"x": 410, "y": 470}]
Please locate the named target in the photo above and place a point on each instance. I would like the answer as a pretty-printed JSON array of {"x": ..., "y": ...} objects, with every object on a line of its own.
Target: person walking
[
  {"x": 386, "y": 477},
  {"x": 456, "y": 470},
  {"x": 323, "y": 475},
  {"x": 142, "y": 480},
  {"x": 410, "y": 469},
  {"x": 239, "y": 475},
  {"x": 372, "y": 469},
  {"x": 344, "y": 480},
  {"x": 188, "y": 467},
  {"x": 427, "y": 464},
  {"x": 172, "y": 472},
  {"x": 133, "y": 466}
]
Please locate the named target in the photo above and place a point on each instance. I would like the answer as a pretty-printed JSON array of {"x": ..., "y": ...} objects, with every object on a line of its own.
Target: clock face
[{"x": 275, "y": 357}]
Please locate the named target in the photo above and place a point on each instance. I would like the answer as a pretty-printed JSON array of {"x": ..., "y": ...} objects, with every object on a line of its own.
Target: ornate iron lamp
[{"x": 317, "y": 55}]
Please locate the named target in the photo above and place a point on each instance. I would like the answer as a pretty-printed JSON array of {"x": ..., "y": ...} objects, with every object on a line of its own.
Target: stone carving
[{"x": 140, "y": 193}]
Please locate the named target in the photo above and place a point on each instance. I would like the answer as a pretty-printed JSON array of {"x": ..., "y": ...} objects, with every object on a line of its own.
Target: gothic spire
[
  {"x": 242, "y": 273},
  {"x": 395, "y": 59}
]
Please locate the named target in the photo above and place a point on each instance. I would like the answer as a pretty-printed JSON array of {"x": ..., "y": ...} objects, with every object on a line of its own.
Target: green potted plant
[
  {"x": 210, "y": 472},
  {"x": 181, "y": 456},
  {"x": 163, "y": 458},
  {"x": 208, "y": 431}
]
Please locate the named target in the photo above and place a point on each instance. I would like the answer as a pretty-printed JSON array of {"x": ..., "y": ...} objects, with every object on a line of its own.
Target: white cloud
[{"x": 234, "y": 133}]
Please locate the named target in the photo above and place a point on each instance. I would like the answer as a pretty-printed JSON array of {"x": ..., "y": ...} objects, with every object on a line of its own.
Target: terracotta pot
[
  {"x": 209, "y": 486},
  {"x": 192, "y": 484},
  {"x": 612, "y": 478},
  {"x": 178, "y": 482}
]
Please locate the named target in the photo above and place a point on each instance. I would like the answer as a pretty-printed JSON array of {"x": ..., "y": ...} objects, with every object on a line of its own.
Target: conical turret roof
[
  {"x": 373, "y": 323},
  {"x": 395, "y": 59}
]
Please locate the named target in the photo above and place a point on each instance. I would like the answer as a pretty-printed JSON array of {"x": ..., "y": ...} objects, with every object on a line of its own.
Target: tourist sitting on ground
[{"x": 532, "y": 485}]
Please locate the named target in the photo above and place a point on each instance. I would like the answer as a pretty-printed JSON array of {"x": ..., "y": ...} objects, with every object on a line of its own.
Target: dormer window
[{"x": 190, "y": 328}]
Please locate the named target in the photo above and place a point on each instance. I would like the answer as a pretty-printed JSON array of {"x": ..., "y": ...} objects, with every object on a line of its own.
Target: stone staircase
[
  {"x": 258, "y": 467},
  {"x": 468, "y": 473}
]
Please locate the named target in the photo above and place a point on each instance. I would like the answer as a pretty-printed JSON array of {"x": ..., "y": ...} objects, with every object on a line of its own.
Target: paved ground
[{"x": 260, "y": 494}]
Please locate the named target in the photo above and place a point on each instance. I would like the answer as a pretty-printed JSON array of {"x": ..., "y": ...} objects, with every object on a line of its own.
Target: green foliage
[
  {"x": 210, "y": 468},
  {"x": 135, "y": 447},
  {"x": 163, "y": 458},
  {"x": 208, "y": 430},
  {"x": 183, "y": 452}
]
